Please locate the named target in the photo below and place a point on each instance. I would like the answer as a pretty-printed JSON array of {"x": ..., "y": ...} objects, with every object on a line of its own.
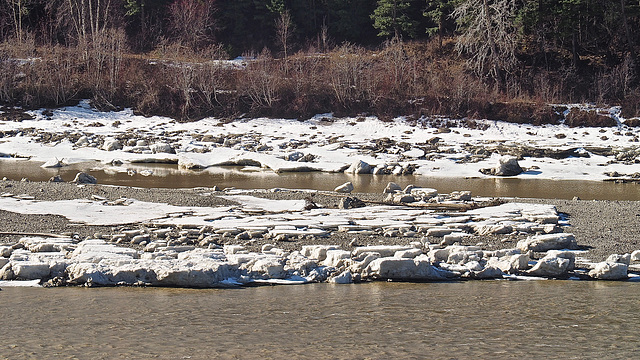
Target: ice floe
[{"x": 171, "y": 256}]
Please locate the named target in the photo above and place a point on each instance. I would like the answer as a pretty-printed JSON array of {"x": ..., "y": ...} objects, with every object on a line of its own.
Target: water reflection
[{"x": 169, "y": 176}]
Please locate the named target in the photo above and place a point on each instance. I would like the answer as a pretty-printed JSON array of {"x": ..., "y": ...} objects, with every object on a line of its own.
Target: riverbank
[
  {"x": 274, "y": 224},
  {"x": 434, "y": 147}
]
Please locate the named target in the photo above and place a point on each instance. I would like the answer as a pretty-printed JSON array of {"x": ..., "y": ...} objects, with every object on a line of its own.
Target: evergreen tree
[
  {"x": 391, "y": 18},
  {"x": 439, "y": 12}
]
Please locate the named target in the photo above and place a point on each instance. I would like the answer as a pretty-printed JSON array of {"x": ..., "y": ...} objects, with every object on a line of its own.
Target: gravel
[{"x": 602, "y": 227}]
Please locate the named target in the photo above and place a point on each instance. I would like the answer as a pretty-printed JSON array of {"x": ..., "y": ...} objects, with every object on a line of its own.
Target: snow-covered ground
[{"x": 323, "y": 143}]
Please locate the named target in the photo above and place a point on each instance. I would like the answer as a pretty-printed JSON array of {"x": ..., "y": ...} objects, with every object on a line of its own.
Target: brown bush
[
  {"x": 577, "y": 117},
  {"x": 523, "y": 113}
]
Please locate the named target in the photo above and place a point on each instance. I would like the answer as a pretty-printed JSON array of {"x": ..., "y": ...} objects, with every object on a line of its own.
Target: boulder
[
  {"x": 270, "y": 267},
  {"x": 162, "y": 148},
  {"x": 335, "y": 258},
  {"x": 508, "y": 166},
  {"x": 351, "y": 203},
  {"x": 622, "y": 259},
  {"x": 407, "y": 254},
  {"x": 423, "y": 193},
  {"x": 635, "y": 256},
  {"x": 609, "y": 271},
  {"x": 84, "y": 178},
  {"x": 56, "y": 178},
  {"x": 30, "y": 270},
  {"x": 318, "y": 252},
  {"x": 294, "y": 156},
  {"x": 554, "y": 264},
  {"x": 403, "y": 269},
  {"x": 359, "y": 167},
  {"x": 345, "y": 188},
  {"x": 383, "y": 250},
  {"x": 392, "y": 188},
  {"x": 547, "y": 242},
  {"x": 452, "y": 238},
  {"x": 82, "y": 141},
  {"x": 344, "y": 277},
  {"x": 400, "y": 198},
  {"x": 111, "y": 145},
  {"x": 489, "y": 272},
  {"x": 5, "y": 251}
]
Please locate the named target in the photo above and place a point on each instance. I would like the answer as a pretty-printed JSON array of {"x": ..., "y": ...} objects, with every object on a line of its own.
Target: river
[
  {"x": 169, "y": 176},
  {"x": 462, "y": 320}
]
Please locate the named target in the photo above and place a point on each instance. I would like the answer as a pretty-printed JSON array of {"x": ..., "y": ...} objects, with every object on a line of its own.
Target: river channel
[
  {"x": 169, "y": 176},
  {"x": 463, "y": 320}
]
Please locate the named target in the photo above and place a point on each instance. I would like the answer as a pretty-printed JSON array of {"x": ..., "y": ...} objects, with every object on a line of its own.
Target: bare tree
[
  {"x": 19, "y": 8},
  {"x": 284, "y": 26},
  {"x": 191, "y": 20},
  {"x": 489, "y": 36}
]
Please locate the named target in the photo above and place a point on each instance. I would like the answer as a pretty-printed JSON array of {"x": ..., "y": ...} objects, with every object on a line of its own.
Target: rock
[
  {"x": 540, "y": 243},
  {"x": 162, "y": 148},
  {"x": 635, "y": 256},
  {"x": 488, "y": 272},
  {"x": 30, "y": 270},
  {"x": 111, "y": 145},
  {"x": 335, "y": 257},
  {"x": 359, "y": 167},
  {"x": 423, "y": 193},
  {"x": 440, "y": 231},
  {"x": 345, "y": 188},
  {"x": 403, "y": 269},
  {"x": 3, "y": 262},
  {"x": 512, "y": 264},
  {"x": 6, "y": 273},
  {"x": 56, "y": 178},
  {"x": 318, "y": 252},
  {"x": 383, "y": 250},
  {"x": 408, "y": 189},
  {"x": 460, "y": 195},
  {"x": 400, "y": 198},
  {"x": 82, "y": 141},
  {"x": 407, "y": 254},
  {"x": 452, "y": 238},
  {"x": 270, "y": 267},
  {"x": 622, "y": 259},
  {"x": 84, "y": 178},
  {"x": 344, "y": 277},
  {"x": 392, "y": 188},
  {"x": 5, "y": 251},
  {"x": 609, "y": 271},
  {"x": 55, "y": 163},
  {"x": 189, "y": 164},
  {"x": 554, "y": 264},
  {"x": 351, "y": 203},
  {"x": 294, "y": 156},
  {"x": 508, "y": 166}
]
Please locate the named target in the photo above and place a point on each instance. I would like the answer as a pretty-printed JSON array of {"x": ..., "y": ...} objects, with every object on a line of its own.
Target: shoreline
[{"x": 601, "y": 228}]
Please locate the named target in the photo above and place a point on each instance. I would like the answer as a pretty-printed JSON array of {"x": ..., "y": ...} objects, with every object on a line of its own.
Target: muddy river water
[
  {"x": 461, "y": 320},
  {"x": 169, "y": 176},
  {"x": 465, "y": 320}
]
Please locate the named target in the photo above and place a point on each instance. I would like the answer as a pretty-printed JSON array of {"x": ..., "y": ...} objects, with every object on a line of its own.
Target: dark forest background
[{"x": 502, "y": 59}]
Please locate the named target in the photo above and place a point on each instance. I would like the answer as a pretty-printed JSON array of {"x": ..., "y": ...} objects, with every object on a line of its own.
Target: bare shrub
[
  {"x": 209, "y": 79},
  {"x": 260, "y": 81},
  {"x": 105, "y": 61},
  {"x": 346, "y": 70},
  {"x": 577, "y": 117}
]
